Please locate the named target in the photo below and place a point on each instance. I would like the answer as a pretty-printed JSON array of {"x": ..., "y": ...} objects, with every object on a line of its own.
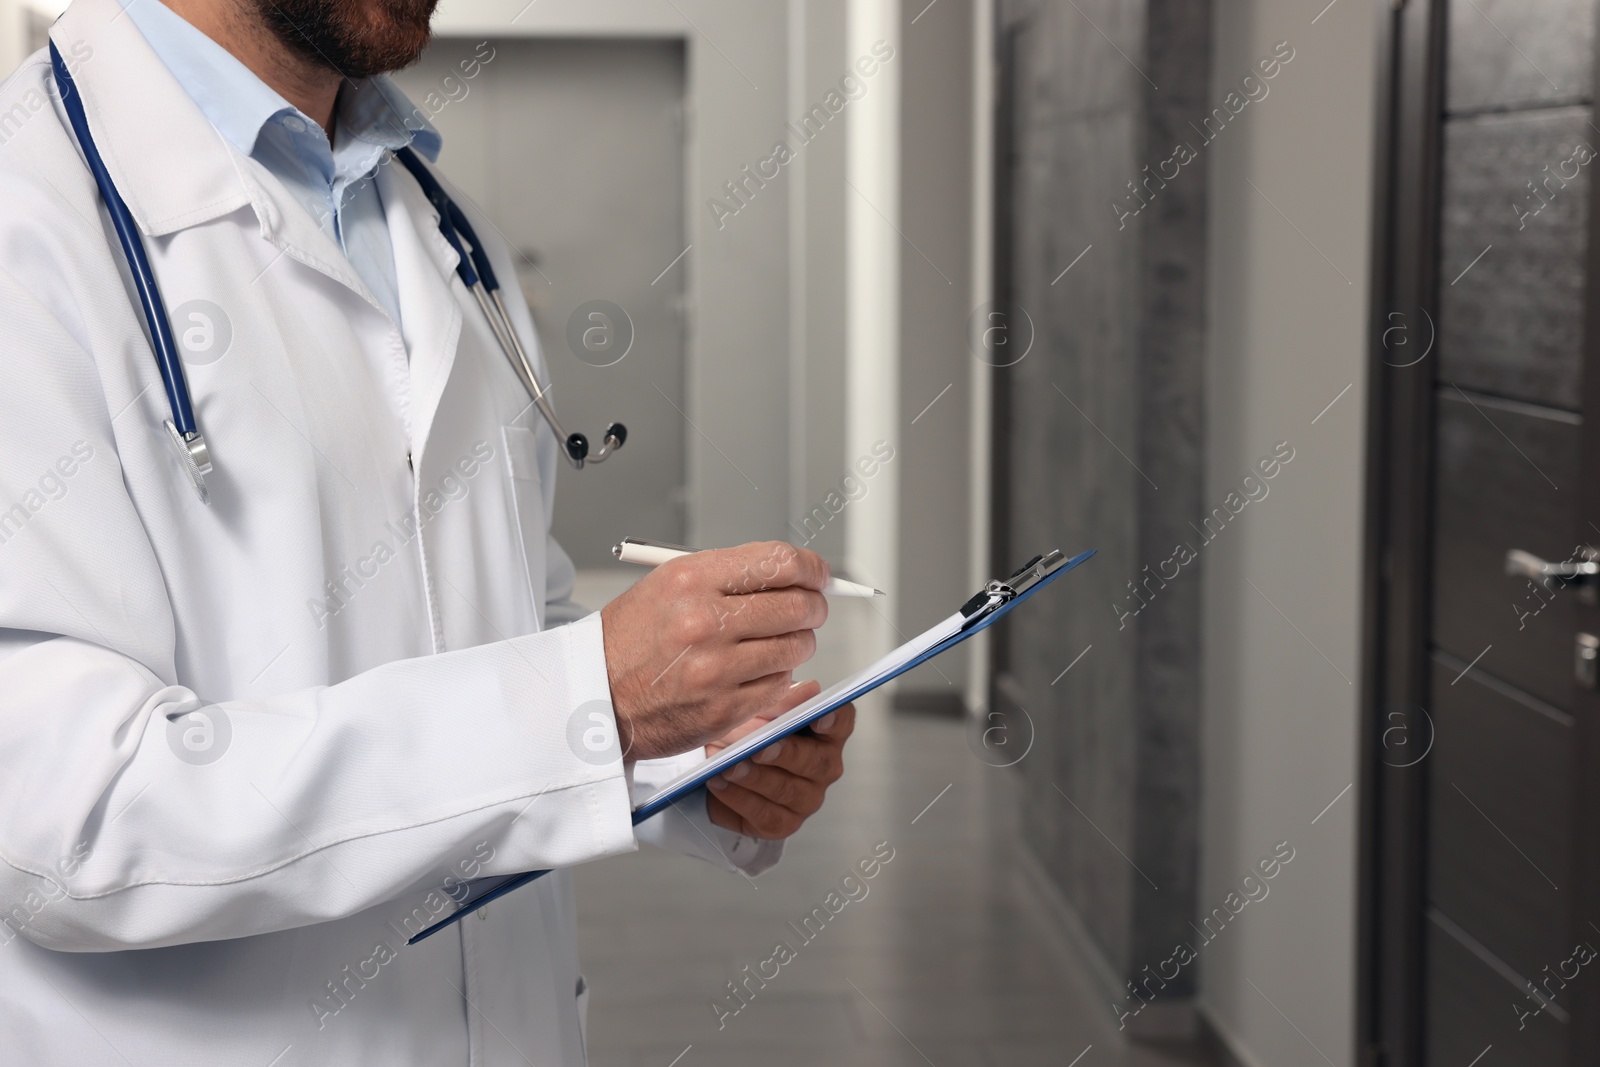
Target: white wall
[
  {"x": 1286, "y": 336},
  {"x": 873, "y": 218},
  {"x": 980, "y": 380},
  {"x": 12, "y": 34},
  {"x": 933, "y": 434},
  {"x": 18, "y": 22}
]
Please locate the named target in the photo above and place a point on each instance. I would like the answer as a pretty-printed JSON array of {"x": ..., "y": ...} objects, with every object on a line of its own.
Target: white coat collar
[
  {"x": 172, "y": 167},
  {"x": 176, "y": 171},
  {"x": 169, "y": 163}
]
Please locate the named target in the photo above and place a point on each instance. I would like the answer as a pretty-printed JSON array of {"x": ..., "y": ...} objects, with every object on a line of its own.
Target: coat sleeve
[{"x": 136, "y": 812}]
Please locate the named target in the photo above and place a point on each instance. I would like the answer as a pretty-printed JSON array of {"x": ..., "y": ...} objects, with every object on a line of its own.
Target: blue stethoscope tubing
[
  {"x": 472, "y": 267},
  {"x": 477, "y": 274},
  {"x": 182, "y": 428}
]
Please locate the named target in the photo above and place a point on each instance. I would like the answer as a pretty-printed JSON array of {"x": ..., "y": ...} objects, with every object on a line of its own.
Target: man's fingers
[
  {"x": 763, "y": 817},
  {"x": 723, "y": 815},
  {"x": 758, "y": 693},
  {"x": 715, "y": 626},
  {"x": 837, "y": 725},
  {"x": 762, "y": 565},
  {"x": 801, "y": 795},
  {"x": 769, "y": 613},
  {"x": 771, "y": 795},
  {"x": 776, "y": 565},
  {"x": 762, "y": 656},
  {"x": 808, "y": 757}
]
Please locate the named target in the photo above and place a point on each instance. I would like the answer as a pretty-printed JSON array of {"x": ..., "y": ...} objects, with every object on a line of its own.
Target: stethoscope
[{"x": 472, "y": 267}]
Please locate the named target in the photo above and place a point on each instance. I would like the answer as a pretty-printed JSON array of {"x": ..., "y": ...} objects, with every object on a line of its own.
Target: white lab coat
[{"x": 383, "y": 710}]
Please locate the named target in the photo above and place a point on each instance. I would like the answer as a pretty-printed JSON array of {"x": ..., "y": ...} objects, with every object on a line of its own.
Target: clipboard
[{"x": 997, "y": 599}]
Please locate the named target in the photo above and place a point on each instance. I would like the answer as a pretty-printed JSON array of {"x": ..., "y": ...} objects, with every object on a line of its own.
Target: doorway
[{"x": 1478, "y": 919}]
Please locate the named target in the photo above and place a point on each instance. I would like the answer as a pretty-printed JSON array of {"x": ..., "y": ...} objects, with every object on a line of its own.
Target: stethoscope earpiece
[{"x": 578, "y": 445}]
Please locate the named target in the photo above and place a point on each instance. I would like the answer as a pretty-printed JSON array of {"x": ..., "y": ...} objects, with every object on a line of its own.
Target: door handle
[
  {"x": 1586, "y": 660},
  {"x": 1579, "y": 573}
]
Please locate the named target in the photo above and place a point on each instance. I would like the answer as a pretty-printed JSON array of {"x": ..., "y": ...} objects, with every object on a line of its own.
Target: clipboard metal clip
[{"x": 999, "y": 591}]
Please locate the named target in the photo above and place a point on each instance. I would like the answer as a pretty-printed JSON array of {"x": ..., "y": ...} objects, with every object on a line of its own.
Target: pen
[{"x": 654, "y": 554}]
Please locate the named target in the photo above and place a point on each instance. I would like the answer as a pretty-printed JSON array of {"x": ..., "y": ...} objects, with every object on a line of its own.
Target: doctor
[{"x": 247, "y": 747}]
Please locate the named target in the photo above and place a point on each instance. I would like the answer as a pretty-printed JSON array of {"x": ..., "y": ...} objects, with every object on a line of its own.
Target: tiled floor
[{"x": 946, "y": 960}]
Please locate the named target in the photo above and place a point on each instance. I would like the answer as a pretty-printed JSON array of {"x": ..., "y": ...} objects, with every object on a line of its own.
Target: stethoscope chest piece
[{"x": 194, "y": 458}]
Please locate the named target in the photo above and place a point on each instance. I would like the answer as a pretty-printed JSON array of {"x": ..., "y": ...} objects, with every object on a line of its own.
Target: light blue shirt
[{"x": 333, "y": 182}]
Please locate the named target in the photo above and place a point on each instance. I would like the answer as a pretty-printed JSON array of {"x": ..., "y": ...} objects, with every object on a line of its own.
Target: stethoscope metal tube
[{"x": 472, "y": 267}]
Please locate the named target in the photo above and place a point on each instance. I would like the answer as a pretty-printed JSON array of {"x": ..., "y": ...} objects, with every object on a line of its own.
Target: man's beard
[{"x": 356, "y": 38}]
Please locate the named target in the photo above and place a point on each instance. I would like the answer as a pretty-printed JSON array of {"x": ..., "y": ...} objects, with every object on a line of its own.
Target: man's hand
[
  {"x": 704, "y": 642},
  {"x": 773, "y": 792}
]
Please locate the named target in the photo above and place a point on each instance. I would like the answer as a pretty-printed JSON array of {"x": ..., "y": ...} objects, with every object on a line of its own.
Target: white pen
[{"x": 655, "y": 553}]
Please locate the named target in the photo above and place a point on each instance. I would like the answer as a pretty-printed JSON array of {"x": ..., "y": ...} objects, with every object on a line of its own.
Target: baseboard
[
  {"x": 936, "y": 703},
  {"x": 1169, "y": 1020},
  {"x": 1220, "y": 1042}
]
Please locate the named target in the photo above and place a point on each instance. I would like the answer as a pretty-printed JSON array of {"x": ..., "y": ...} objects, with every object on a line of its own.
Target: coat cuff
[
  {"x": 607, "y": 815},
  {"x": 686, "y": 826}
]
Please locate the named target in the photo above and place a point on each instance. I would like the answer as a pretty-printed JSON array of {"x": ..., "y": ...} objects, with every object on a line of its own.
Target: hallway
[{"x": 950, "y": 958}]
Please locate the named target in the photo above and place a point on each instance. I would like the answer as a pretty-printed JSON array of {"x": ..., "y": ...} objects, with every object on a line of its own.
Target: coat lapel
[{"x": 430, "y": 295}]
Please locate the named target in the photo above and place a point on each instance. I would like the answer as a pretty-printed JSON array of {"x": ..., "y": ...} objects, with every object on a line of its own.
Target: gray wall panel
[
  {"x": 936, "y": 188},
  {"x": 1105, "y": 408}
]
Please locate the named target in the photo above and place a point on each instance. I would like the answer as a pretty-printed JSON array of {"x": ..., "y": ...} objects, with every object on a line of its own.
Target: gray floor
[{"x": 947, "y": 960}]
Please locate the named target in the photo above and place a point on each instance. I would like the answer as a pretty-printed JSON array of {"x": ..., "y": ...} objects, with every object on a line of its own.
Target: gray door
[
  {"x": 575, "y": 149},
  {"x": 1500, "y": 923}
]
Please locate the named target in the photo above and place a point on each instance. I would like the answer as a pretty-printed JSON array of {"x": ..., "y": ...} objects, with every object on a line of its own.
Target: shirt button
[{"x": 294, "y": 124}]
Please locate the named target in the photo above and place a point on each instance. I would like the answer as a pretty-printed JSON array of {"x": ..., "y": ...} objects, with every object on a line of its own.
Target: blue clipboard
[{"x": 995, "y": 601}]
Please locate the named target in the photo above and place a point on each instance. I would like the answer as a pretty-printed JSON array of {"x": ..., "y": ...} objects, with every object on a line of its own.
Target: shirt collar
[
  {"x": 240, "y": 105},
  {"x": 375, "y": 110}
]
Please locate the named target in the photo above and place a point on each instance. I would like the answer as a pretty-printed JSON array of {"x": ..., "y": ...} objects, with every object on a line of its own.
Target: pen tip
[{"x": 616, "y": 550}]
